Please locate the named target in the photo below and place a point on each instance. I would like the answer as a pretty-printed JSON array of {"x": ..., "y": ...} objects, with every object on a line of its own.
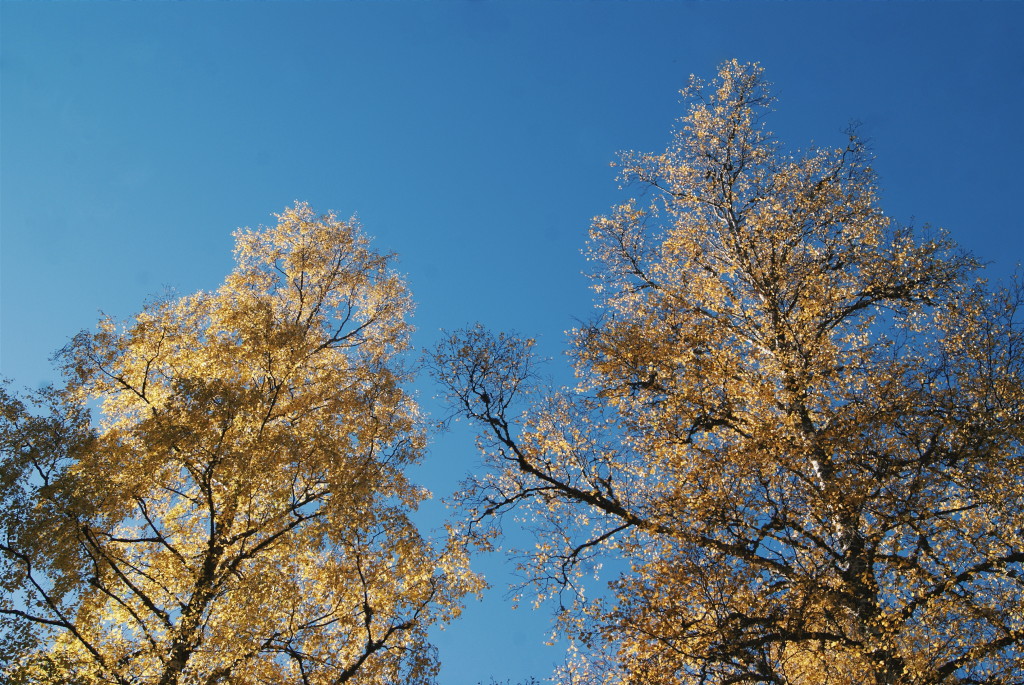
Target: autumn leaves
[
  {"x": 240, "y": 514},
  {"x": 788, "y": 422},
  {"x": 795, "y": 440}
]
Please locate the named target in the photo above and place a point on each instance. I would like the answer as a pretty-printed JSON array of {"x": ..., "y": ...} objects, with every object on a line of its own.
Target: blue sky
[{"x": 471, "y": 138}]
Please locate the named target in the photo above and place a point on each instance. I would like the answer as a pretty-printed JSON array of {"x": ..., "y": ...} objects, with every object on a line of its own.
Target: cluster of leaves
[
  {"x": 241, "y": 512},
  {"x": 797, "y": 429}
]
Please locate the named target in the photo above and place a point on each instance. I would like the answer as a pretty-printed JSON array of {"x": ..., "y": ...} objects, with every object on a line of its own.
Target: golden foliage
[
  {"x": 796, "y": 436},
  {"x": 241, "y": 513}
]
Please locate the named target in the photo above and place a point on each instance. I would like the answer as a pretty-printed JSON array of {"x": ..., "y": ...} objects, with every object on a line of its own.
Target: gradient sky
[{"x": 471, "y": 138}]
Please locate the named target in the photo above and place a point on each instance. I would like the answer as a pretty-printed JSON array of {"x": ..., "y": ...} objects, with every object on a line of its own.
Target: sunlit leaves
[
  {"x": 796, "y": 436},
  {"x": 241, "y": 512}
]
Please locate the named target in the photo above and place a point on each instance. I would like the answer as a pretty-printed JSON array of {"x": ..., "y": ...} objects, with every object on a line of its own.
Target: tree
[
  {"x": 796, "y": 434},
  {"x": 241, "y": 513}
]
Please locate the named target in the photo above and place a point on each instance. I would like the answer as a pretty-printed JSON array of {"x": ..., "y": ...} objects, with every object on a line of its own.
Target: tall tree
[
  {"x": 797, "y": 431},
  {"x": 241, "y": 513}
]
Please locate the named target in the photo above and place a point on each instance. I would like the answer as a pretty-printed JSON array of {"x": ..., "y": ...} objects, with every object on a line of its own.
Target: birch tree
[
  {"x": 796, "y": 435},
  {"x": 240, "y": 512}
]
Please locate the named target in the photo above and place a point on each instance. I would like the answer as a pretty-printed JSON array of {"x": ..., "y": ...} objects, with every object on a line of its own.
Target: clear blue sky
[{"x": 472, "y": 138}]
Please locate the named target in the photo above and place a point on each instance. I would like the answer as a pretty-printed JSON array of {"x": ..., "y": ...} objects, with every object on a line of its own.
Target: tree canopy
[
  {"x": 796, "y": 435},
  {"x": 240, "y": 513},
  {"x": 795, "y": 446}
]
